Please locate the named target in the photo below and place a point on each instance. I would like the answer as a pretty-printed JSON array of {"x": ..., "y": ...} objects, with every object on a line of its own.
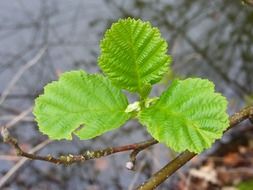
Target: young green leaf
[
  {"x": 133, "y": 54},
  {"x": 79, "y": 99},
  {"x": 188, "y": 116}
]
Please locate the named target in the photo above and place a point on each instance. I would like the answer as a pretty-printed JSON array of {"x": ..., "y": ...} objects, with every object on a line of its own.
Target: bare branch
[
  {"x": 20, "y": 163},
  {"x": 154, "y": 181},
  {"x": 15, "y": 79},
  {"x": 19, "y": 117},
  {"x": 248, "y": 2},
  {"x": 70, "y": 159}
]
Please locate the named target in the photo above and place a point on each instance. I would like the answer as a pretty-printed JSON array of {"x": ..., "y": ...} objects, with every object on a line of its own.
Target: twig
[
  {"x": 70, "y": 159},
  {"x": 19, "y": 117},
  {"x": 11, "y": 117},
  {"x": 248, "y": 2},
  {"x": 133, "y": 156},
  {"x": 184, "y": 157},
  {"x": 21, "y": 162},
  {"x": 15, "y": 79},
  {"x": 9, "y": 158},
  {"x": 136, "y": 176},
  {"x": 154, "y": 181}
]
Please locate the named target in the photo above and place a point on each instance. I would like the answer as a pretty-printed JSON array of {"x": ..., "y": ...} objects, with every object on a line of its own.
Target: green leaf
[
  {"x": 79, "y": 99},
  {"x": 245, "y": 185},
  {"x": 133, "y": 54},
  {"x": 188, "y": 116}
]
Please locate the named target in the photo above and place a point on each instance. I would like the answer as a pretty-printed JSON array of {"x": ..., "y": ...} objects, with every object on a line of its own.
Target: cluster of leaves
[{"x": 189, "y": 115}]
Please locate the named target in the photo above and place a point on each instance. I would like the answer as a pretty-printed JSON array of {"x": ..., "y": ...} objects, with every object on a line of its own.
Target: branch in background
[
  {"x": 248, "y": 2},
  {"x": 70, "y": 159},
  {"x": 183, "y": 158},
  {"x": 20, "y": 163},
  {"x": 20, "y": 72}
]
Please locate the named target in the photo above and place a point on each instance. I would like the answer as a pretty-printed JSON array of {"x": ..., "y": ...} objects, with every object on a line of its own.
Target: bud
[{"x": 130, "y": 165}]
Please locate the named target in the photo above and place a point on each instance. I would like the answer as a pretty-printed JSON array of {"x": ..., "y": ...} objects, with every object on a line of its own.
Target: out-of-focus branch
[
  {"x": 183, "y": 158},
  {"x": 248, "y": 2},
  {"x": 70, "y": 159},
  {"x": 19, "y": 117},
  {"x": 15, "y": 79}
]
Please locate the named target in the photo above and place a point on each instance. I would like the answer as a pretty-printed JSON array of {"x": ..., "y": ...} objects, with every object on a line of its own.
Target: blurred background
[{"x": 40, "y": 39}]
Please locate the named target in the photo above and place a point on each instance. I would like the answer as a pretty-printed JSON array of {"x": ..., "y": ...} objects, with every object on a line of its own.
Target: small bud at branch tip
[{"x": 130, "y": 165}]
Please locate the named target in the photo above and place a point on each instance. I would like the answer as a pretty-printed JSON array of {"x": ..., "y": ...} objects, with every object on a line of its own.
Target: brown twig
[
  {"x": 20, "y": 163},
  {"x": 70, "y": 159},
  {"x": 133, "y": 156},
  {"x": 248, "y": 2},
  {"x": 154, "y": 181},
  {"x": 183, "y": 158}
]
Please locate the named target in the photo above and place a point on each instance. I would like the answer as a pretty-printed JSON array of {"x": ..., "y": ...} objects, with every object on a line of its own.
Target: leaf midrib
[{"x": 134, "y": 57}]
